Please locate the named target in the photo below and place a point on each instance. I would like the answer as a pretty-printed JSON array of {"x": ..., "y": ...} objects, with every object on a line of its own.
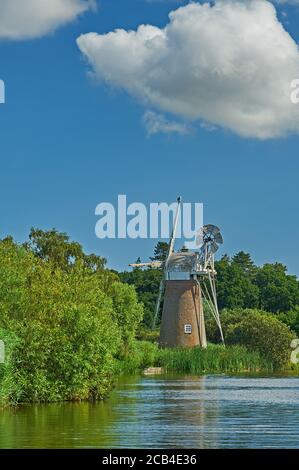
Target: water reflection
[{"x": 151, "y": 412}]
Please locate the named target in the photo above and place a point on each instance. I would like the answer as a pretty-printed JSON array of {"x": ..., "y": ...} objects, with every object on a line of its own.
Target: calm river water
[{"x": 151, "y": 412}]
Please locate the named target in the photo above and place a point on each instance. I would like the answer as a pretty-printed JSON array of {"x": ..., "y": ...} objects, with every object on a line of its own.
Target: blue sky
[{"x": 67, "y": 144}]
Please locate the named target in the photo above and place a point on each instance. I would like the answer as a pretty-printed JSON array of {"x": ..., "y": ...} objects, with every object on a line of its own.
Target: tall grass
[{"x": 215, "y": 358}]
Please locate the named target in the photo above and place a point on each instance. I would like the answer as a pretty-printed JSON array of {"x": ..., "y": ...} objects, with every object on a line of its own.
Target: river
[{"x": 162, "y": 412}]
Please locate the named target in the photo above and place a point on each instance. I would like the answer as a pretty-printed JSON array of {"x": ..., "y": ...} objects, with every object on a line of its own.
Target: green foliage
[
  {"x": 146, "y": 283},
  {"x": 69, "y": 327},
  {"x": 147, "y": 334},
  {"x": 242, "y": 284},
  {"x": 127, "y": 312},
  {"x": 291, "y": 319},
  {"x": 9, "y": 389},
  {"x": 56, "y": 247},
  {"x": 215, "y": 358},
  {"x": 235, "y": 282},
  {"x": 279, "y": 292},
  {"x": 143, "y": 354},
  {"x": 258, "y": 331}
]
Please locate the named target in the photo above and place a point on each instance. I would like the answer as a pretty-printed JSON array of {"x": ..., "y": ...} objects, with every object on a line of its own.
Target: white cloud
[
  {"x": 156, "y": 123},
  {"x": 291, "y": 2},
  {"x": 230, "y": 65},
  {"x": 26, "y": 19}
]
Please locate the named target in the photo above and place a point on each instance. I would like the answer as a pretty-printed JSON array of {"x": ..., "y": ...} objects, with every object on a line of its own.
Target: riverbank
[{"x": 214, "y": 359}]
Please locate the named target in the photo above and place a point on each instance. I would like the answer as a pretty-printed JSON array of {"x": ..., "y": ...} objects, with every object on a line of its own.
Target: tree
[
  {"x": 138, "y": 261},
  {"x": 160, "y": 251},
  {"x": 56, "y": 247},
  {"x": 279, "y": 292},
  {"x": 244, "y": 261},
  {"x": 146, "y": 283},
  {"x": 235, "y": 285},
  {"x": 291, "y": 319}
]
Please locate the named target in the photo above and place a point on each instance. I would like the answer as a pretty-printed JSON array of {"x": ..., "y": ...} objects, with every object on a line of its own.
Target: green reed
[{"x": 215, "y": 358}]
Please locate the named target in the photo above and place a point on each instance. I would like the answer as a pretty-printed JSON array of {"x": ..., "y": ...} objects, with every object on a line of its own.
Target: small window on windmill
[{"x": 188, "y": 329}]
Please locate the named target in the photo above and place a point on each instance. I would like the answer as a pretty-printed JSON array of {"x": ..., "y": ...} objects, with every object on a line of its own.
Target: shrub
[
  {"x": 291, "y": 319},
  {"x": 263, "y": 333},
  {"x": 70, "y": 328},
  {"x": 228, "y": 318},
  {"x": 257, "y": 330},
  {"x": 142, "y": 355}
]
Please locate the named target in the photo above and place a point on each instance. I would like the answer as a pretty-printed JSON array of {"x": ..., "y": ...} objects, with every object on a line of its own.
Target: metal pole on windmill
[
  {"x": 170, "y": 250},
  {"x": 201, "y": 320}
]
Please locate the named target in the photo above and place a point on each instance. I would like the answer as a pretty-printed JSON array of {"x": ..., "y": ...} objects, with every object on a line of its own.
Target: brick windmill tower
[{"x": 187, "y": 289}]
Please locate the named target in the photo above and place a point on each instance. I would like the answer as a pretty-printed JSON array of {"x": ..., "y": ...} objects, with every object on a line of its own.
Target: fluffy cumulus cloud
[
  {"x": 26, "y": 19},
  {"x": 229, "y": 65}
]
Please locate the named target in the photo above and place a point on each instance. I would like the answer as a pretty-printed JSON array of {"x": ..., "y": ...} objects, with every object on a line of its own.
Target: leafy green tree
[
  {"x": 279, "y": 292},
  {"x": 235, "y": 285},
  {"x": 244, "y": 261},
  {"x": 291, "y": 319},
  {"x": 242, "y": 284},
  {"x": 57, "y": 248},
  {"x": 127, "y": 312},
  {"x": 146, "y": 283}
]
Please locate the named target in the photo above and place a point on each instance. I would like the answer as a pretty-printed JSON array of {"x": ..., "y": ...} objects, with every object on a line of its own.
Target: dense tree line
[{"x": 243, "y": 284}]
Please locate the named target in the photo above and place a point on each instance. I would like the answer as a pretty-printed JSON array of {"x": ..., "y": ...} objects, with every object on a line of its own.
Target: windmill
[{"x": 187, "y": 288}]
